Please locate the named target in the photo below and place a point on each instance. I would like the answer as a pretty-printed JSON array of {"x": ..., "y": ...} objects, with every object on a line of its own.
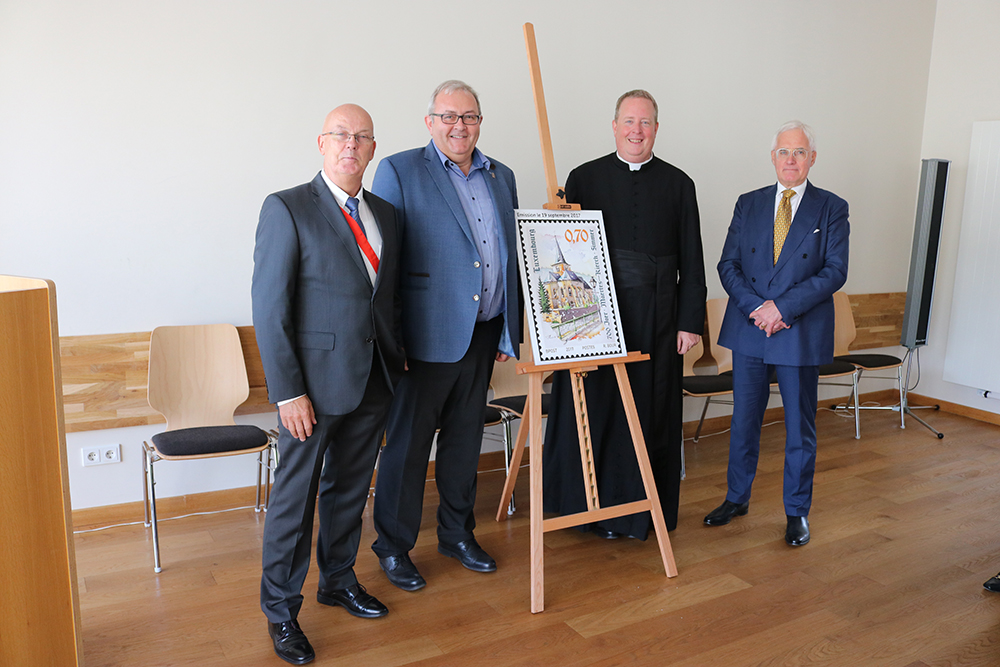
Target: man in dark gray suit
[{"x": 325, "y": 311}]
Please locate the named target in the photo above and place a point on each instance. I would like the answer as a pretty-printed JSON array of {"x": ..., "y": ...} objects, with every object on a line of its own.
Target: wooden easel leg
[
  {"x": 666, "y": 553},
  {"x": 533, "y": 415},
  {"x": 583, "y": 435},
  {"x": 515, "y": 464}
]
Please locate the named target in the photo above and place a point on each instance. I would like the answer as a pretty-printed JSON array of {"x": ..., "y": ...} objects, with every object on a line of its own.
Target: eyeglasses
[
  {"x": 797, "y": 153},
  {"x": 452, "y": 118},
  {"x": 344, "y": 137}
]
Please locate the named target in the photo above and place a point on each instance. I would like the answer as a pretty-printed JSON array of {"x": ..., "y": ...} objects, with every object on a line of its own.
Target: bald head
[
  {"x": 347, "y": 113},
  {"x": 347, "y": 143}
]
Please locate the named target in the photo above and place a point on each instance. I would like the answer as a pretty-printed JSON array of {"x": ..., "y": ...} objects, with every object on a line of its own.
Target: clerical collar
[{"x": 633, "y": 166}]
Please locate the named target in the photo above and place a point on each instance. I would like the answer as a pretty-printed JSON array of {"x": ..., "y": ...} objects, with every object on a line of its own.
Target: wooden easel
[{"x": 532, "y": 423}]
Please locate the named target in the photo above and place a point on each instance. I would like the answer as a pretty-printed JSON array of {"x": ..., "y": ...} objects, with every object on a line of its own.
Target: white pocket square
[{"x": 815, "y": 231}]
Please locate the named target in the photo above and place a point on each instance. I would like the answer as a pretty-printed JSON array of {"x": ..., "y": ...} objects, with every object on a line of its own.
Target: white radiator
[{"x": 972, "y": 358}]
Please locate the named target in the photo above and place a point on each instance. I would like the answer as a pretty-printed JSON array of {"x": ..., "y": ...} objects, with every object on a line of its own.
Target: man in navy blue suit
[
  {"x": 461, "y": 312},
  {"x": 784, "y": 257}
]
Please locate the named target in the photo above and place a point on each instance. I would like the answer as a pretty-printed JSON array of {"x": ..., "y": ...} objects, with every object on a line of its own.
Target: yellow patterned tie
[{"x": 782, "y": 222}]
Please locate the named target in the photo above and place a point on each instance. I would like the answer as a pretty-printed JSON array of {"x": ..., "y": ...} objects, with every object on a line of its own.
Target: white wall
[
  {"x": 137, "y": 140},
  {"x": 962, "y": 89}
]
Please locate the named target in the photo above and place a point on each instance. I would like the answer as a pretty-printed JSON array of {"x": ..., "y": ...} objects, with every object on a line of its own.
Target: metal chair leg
[
  {"x": 704, "y": 410},
  {"x": 902, "y": 400},
  {"x": 260, "y": 472},
  {"x": 145, "y": 485},
  {"x": 857, "y": 404},
  {"x": 272, "y": 461},
  {"x": 151, "y": 485},
  {"x": 683, "y": 458},
  {"x": 508, "y": 452}
]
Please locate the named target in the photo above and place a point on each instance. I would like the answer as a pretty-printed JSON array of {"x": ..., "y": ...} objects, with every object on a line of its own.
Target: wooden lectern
[{"x": 40, "y": 623}]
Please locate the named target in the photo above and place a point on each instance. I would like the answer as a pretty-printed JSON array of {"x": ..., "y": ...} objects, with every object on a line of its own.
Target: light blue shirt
[{"x": 477, "y": 202}]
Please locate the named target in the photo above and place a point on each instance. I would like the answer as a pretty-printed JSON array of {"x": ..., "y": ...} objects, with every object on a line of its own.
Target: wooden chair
[
  {"x": 719, "y": 384},
  {"x": 692, "y": 356},
  {"x": 197, "y": 378},
  {"x": 846, "y": 333}
]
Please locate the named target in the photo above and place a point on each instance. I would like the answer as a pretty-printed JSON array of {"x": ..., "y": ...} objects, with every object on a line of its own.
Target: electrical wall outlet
[{"x": 98, "y": 456}]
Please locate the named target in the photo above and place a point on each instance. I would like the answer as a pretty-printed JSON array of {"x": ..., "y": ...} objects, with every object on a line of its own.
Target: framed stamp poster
[{"x": 569, "y": 291}]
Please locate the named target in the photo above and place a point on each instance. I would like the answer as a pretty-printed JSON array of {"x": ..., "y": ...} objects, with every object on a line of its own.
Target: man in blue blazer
[
  {"x": 325, "y": 311},
  {"x": 784, "y": 257},
  {"x": 461, "y": 312}
]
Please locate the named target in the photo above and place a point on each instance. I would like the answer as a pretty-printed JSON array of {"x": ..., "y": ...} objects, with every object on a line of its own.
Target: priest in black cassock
[{"x": 654, "y": 239}]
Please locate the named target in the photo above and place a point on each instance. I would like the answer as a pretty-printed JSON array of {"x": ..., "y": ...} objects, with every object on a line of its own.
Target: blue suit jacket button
[
  {"x": 475, "y": 297},
  {"x": 369, "y": 340}
]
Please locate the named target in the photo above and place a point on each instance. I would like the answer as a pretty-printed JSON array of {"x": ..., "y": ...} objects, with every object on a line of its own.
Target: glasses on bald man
[{"x": 344, "y": 137}]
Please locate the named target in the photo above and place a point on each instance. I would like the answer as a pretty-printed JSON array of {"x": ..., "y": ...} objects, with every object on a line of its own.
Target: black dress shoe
[
  {"x": 797, "y": 532},
  {"x": 993, "y": 584},
  {"x": 290, "y": 642},
  {"x": 603, "y": 533},
  {"x": 725, "y": 512},
  {"x": 469, "y": 554},
  {"x": 401, "y": 572},
  {"x": 355, "y": 599}
]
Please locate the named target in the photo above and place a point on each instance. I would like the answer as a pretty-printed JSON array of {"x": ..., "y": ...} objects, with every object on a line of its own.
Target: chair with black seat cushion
[
  {"x": 197, "y": 379},
  {"x": 713, "y": 386},
  {"x": 846, "y": 333}
]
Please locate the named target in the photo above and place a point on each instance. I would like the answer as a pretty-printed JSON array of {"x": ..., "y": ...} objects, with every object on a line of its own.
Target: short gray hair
[
  {"x": 450, "y": 87},
  {"x": 795, "y": 125},
  {"x": 641, "y": 94}
]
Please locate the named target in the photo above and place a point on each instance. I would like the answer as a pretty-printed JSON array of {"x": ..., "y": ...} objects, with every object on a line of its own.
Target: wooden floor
[{"x": 905, "y": 531}]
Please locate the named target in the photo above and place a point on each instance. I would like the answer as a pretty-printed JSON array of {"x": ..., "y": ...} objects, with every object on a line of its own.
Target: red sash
[{"x": 362, "y": 240}]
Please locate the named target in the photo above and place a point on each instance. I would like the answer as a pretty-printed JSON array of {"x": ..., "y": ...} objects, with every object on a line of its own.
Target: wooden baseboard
[
  {"x": 209, "y": 501},
  {"x": 885, "y": 396},
  {"x": 956, "y": 409}
]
